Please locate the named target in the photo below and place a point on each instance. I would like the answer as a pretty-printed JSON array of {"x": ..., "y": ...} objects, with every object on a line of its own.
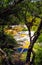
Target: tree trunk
[
  {"x": 29, "y": 55},
  {"x": 32, "y": 43}
]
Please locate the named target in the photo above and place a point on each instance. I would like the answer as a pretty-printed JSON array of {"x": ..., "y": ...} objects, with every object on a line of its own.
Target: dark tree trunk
[{"x": 36, "y": 35}]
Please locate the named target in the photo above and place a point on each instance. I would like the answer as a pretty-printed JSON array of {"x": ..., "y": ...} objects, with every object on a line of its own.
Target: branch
[
  {"x": 33, "y": 58},
  {"x": 2, "y": 52},
  {"x": 37, "y": 33},
  {"x": 29, "y": 25},
  {"x": 6, "y": 58}
]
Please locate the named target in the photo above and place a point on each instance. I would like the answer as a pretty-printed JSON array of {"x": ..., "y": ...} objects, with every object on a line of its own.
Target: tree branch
[
  {"x": 37, "y": 33},
  {"x": 6, "y": 58}
]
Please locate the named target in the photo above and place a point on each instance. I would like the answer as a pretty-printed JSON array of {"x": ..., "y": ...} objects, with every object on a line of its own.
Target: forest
[{"x": 20, "y": 32}]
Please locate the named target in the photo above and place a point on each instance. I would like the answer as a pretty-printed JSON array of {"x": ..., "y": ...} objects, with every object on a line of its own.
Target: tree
[{"x": 20, "y": 11}]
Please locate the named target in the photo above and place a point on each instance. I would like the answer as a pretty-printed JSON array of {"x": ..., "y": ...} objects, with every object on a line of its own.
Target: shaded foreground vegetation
[{"x": 14, "y": 58}]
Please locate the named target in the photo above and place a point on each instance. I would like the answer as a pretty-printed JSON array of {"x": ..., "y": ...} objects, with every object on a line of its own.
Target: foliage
[
  {"x": 38, "y": 55},
  {"x": 19, "y": 11},
  {"x": 40, "y": 39},
  {"x": 9, "y": 39}
]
